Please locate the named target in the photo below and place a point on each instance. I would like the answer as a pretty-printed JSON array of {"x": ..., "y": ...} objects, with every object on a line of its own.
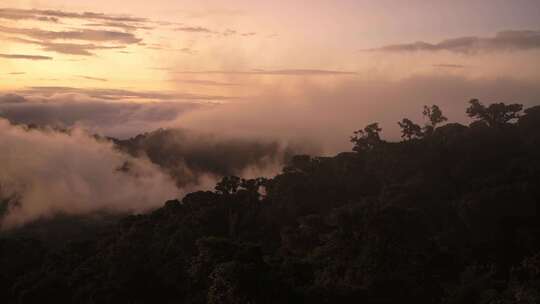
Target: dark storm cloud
[
  {"x": 84, "y": 35},
  {"x": 292, "y": 72},
  {"x": 26, "y": 57},
  {"x": 502, "y": 41}
]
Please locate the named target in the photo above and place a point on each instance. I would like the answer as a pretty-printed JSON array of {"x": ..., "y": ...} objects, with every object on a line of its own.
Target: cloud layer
[
  {"x": 27, "y": 57},
  {"x": 83, "y": 34},
  {"x": 49, "y": 173},
  {"x": 327, "y": 116},
  {"x": 120, "y": 119},
  {"x": 502, "y": 41},
  {"x": 297, "y": 111},
  {"x": 85, "y": 40},
  {"x": 288, "y": 72},
  {"x": 54, "y": 15}
]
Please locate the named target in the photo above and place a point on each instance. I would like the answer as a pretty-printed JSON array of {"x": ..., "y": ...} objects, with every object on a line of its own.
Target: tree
[
  {"x": 496, "y": 114},
  {"x": 409, "y": 129},
  {"x": 228, "y": 185},
  {"x": 252, "y": 186},
  {"x": 366, "y": 139},
  {"x": 434, "y": 116}
]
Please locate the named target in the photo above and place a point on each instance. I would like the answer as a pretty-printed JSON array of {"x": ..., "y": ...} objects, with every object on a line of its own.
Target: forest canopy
[{"x": 447, "y": 215}]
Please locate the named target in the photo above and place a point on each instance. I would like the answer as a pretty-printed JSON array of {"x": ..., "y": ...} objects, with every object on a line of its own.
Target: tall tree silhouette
[
  {"x": 366, "y": 139},
  {"x": 409, "y": 129},
  {"x": 494, "y": 115},
  {"x": 228, "y": 185},
  {"x": 434, "y": 116}
]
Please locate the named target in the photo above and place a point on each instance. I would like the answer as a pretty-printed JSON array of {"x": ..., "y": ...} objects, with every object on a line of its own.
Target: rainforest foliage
[{"x": 448, "y": 215}]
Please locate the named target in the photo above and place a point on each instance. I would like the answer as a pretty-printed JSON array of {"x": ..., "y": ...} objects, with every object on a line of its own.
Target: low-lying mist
[
  {"x": 199, "y": 158},
  {"x": 325, "y": 116},
  {"x": 44, "y": 173},
  {"x": 48, "y": 173}
]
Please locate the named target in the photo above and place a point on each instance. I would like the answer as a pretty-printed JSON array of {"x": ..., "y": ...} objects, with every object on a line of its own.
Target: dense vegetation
[{"x": 448, "y": 215}]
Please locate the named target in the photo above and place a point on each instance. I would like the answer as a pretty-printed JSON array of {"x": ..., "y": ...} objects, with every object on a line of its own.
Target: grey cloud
[
  {"x": 502, "y": 41},
  {"x": 66, "y": 48},
  {"x": 121, "y": 25},
  {"x": 17, "y": 73},
  {"x": 229, "y": 32},
  {"x": 194, "y": 29},
  {"x": 92, "y": 78},
  {"x": 53, "y": 15},
  {"x": 75, "y": 49},
  {"x": 84, "y": 35},
  {"x": 119, "y": 94},
  {"x": 109, "y": 112},
  {"x": 126, "y": 23},
  {"x": 160, "y": 47},
  {"x": 12, "y": 98},
  {"x": 204, "y": 30},
  {"x": 26, "y": 57},
  {"x": 118, "y": 118}
]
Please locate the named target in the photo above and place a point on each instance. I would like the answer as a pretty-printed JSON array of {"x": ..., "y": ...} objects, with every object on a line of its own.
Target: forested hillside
[{"x": 447, "y": 215}]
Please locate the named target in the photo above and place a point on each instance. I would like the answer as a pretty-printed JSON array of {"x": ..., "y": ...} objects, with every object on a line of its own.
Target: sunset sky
[{"x": 224, "y": 51}]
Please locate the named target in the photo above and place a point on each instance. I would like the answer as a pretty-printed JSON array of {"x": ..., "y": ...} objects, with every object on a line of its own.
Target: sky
[{"x": 242, "y": 52}]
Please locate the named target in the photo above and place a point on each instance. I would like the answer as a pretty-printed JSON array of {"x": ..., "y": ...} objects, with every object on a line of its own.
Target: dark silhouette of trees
[
  {"x": 494, "y": 115},
  {"x": 447, "y": 218},
  {"x": 228, "y": 185},
  {"x": 434, "y": 116},
  {"x": 410, "y": 130},
  {"x": 367, "y": 139}
]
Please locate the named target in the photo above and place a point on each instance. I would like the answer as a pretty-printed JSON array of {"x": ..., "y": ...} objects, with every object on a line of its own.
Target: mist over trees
[
  {"x": 190, "y": 156},
  {"x": 447, "y": 215}
]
